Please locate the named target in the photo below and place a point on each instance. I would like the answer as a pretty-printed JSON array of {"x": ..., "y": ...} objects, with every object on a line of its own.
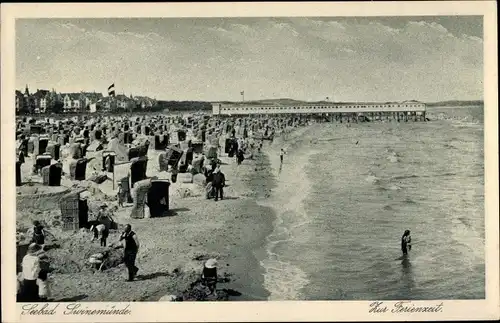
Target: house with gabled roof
[
  {"x": 124, "y": 102},
  {"x": 41, "y": 100},
  {"x": 19, "y": 101},
  {"x": 88, "y": 98},
  {"x": 71, "y": 102}
]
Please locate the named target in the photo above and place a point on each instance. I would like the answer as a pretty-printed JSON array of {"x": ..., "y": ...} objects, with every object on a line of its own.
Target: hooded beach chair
[
  {"x": 54, "y": 149},
  {"x": 55, "y": 174},
  {"x": 158, "y": 197},
  {"x": 42, "y": 161},
  {"x": 138, "y": 167},
  {"x": 74, "y": 211},
  {"x": 45, "y": 172},
  {"x": 163, "y": 162},
  {"x": 108, "y": 161},
  {"x": 18, "y": 173},
  {"x": 140, "y": 196}
]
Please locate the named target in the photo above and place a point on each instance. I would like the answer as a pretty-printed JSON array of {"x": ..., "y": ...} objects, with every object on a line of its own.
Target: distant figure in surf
[
  {"x": 282, "y": 153},
  {"x": 406, "y": 242}
]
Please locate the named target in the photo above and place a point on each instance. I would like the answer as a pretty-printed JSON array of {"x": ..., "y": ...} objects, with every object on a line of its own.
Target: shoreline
[
  {"x": 173, "y": 248},
  {"x": 247, "y": 273},
  {"x": 282, "y": 278}
]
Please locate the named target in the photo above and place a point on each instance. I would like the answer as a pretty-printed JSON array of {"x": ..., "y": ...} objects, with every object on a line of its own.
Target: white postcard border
[{"x": 253, "y": 311}]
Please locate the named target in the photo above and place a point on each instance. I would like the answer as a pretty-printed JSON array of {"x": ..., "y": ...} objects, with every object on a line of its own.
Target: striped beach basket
[
  {"x": 72, "y": 169},
  {"x": 163, "y": 162},
  {"x": 69, "y": 205},
  {"x": 140, "y": 192},
  {"x": 46, "y": 175}
]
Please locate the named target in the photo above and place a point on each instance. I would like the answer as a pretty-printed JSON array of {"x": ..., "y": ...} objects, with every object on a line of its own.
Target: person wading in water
[
  {"x": 406, "y": 242},
  {"x": 131, "y": 247},
  {"x": 282, "y": 153}
]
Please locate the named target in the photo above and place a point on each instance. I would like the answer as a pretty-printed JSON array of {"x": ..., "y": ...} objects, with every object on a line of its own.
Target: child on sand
[
  {"x": 209, "y": 276},
  {"x": 120, "y": 195},
  {"x": 39, "y": 234},
  {"x": 43, "y": 286}
]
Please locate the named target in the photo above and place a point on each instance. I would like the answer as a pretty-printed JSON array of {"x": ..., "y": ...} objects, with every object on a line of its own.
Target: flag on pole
[
  {"x": 242, "y": 92},
  {"x": 111, "y": 90}
]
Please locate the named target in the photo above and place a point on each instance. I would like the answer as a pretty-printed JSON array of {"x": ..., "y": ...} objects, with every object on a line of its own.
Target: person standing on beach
[
  {"x": 43, "y": 280},
  {"x": 39, "y": 234},
  {"x": 31, "y": 270},
  {"x": 101, "y": 232},
  {"x": 209, "y": 276},
  {"x": 121, "y": 195},
  {"x": 218, "y": 182},
  {"x": 174, "y": 172},
  {"x": 131, "y": 248},
  {"x": 406, "y": 242}
]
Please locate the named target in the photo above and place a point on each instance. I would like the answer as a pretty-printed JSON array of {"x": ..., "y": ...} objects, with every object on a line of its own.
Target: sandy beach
[
  {"x": 271, "y": 216},
  {"x": 173, "y": 248}
]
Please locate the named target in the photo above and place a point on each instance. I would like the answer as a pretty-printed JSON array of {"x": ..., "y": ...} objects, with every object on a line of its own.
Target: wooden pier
[{"x": 342, "y": 112}]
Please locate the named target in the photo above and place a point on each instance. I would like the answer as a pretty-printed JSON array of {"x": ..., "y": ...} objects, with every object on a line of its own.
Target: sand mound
[
  {"x": 35, "y": 196},
  {"x": 73, "y": 253},
  {"x": 38, "y": 189}
]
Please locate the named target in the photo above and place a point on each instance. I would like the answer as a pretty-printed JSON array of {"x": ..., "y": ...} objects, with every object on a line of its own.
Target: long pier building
[{"x": 405, "y": 110}]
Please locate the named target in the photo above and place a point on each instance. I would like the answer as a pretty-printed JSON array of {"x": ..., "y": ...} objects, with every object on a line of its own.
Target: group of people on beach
[
  {"x": 128, "y": 240},
  {"x": 34, "y": 285}
]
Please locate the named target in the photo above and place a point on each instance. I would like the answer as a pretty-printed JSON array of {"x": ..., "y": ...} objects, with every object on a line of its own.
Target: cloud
[{"x": 295, "y": 57}]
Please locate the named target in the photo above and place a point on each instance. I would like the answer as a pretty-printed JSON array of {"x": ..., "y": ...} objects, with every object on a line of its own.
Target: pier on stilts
[{"x": 348, "y": 113}]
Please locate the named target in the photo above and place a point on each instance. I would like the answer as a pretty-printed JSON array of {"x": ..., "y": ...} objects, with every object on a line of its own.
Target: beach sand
[{"x": 173, "y": 248}]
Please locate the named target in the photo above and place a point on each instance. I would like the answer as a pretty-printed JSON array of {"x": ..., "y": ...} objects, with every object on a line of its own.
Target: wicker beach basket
[
  {"x": 46, "y": 175},
  {"x": 140, "y": 192},
  {"x": 69, "y": 205}
]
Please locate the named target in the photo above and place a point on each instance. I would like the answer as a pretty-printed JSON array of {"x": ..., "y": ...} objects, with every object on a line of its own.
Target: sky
[{"x": 211, "y": 59}]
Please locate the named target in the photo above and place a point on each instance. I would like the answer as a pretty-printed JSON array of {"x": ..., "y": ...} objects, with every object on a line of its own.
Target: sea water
[{"x": 345, "y": 195}]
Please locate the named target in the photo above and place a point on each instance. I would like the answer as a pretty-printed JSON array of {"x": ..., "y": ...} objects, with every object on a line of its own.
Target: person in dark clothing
[
  {"x": 21, "y": 158},
  {"x": 240, "y": 157},
  {"x": 209, "y": 275},
  {"x": 406, "y": 242},
  {"x": 30, "y": 271},
  {"x": 282, "y": 153},
  {"x": 131, "y": 247},
  {"x": 39, "y": 234},
  {"x": 173, "y": 176},
  {"x": 209, "y": 176},
  {"x": 100, "y": 232},
  {"x": 218, "y": 182},
  {"x": 214, "y": 163}
]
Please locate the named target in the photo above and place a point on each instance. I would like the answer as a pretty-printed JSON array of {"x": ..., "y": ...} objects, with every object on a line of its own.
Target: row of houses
[{"x": 50, "y": 101}]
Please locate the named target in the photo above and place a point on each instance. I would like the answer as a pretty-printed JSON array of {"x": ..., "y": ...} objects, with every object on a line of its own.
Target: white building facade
[{"x": 359, "y": 108}]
